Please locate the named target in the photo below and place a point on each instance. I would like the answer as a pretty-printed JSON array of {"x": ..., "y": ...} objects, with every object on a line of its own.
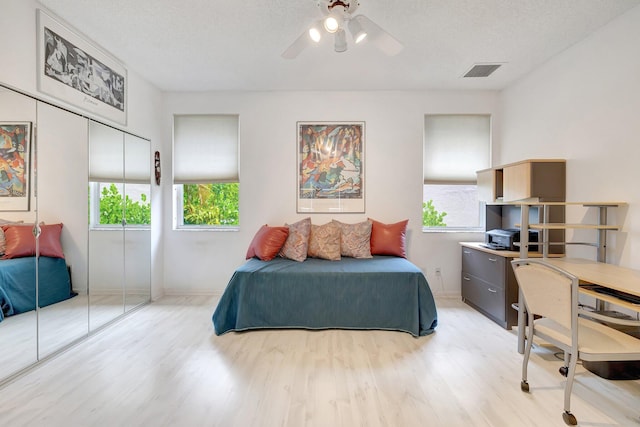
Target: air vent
[{"x": 482, "y": 70}]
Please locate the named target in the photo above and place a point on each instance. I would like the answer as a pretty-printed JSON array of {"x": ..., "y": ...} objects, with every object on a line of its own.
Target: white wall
[
  {"x": 204, "y": 261},
  {"x": 18, "y": 46},
  {"x": 583, "y": 106}
]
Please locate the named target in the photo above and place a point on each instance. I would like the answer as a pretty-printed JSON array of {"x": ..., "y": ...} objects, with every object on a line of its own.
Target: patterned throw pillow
[
  {"x": 324, "y": 241},
  {"x": 297, "y": 243},
  {"x": 355, "y": 239}
]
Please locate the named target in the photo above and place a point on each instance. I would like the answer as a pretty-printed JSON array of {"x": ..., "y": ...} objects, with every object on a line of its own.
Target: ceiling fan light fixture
[
  {"x": 337, "y": 19},
  {"x": 331, "y": 24},
  {"x": 340, "y": 44},
  {"x": 314, "y": 33},
  {"x": 357, "y": 30}
]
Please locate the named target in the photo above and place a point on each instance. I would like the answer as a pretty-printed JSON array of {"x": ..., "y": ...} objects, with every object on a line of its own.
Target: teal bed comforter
[
  {"x": 18, "y": 284},
  {"x": 383, "y": 292}
]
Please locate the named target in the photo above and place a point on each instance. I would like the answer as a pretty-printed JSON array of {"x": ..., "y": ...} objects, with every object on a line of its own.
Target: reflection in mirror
[
  {"x": 106, "y": 235},
  {"x": 61, "y": 204},
  {"x": 137, "y": 250},
  {"x": 18, "y": 320}
]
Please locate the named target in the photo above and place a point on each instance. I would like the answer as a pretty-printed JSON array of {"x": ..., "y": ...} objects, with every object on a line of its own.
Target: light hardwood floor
[{"x": 164, "y": 366}]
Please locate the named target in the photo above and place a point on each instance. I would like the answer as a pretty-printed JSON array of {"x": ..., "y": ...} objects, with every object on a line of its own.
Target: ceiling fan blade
[
  {"x": 379, "y": 37},
  {"x": 297, "y": 46}
]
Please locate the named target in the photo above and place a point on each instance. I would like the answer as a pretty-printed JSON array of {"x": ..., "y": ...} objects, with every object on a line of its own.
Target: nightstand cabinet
[{"x": 489, "y": 284}]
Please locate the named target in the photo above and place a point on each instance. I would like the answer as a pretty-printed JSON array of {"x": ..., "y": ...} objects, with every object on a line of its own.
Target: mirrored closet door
[
  {"x": 61, "y": 212},
  {"x": 119, "y": 234},
  {"x": 43, "y": 239},
  {"x": 18, "y": 318},
  {"x": 106, "y": 237},
  {"x": 137, "y": 214},
  {"x": 59, "y": 278}
]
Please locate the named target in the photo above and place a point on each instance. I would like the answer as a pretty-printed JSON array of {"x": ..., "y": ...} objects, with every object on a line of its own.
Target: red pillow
[
  {"x": 21, "y": 243},
  {"x": 267, "y": 242},
  {"x": 388, "y": 239}
]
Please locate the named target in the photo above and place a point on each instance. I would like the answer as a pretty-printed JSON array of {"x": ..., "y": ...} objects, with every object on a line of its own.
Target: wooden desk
[
  {"x": 607, "y": 275},
  {"x": 598, "y": 273}
]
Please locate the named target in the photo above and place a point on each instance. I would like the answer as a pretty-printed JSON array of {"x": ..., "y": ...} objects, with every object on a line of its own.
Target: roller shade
[
  {"x": 137, "y": 160},
  {"x": 115, "y": 156},
  {"x": 455, "y": 147},
  {"x": 106, "y": 154},
  {"x": 205, "y": 148}
]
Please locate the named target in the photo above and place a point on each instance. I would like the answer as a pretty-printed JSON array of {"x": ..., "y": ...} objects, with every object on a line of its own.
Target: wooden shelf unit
[
  {"x": 547, "y": 225},
  {"x": 532, "y": 179},
  {"x": 487, "y": 280}
]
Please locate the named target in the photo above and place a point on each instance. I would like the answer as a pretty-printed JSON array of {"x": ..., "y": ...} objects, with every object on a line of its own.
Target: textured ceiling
[{"x": 199, "y": 45}]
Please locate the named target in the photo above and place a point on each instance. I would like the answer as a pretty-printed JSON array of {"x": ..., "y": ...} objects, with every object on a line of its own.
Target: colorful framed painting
[
  {"x": 330, "y": 167},
  {"x": 15, "y": 149},
  {"x": 74, "y": 71}
]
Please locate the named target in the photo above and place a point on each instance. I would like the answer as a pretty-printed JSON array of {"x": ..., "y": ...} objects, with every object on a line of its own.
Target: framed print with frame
[
  {"x": 330, "y": 159},
  {"x": 15, "y": 165},
  {"x": 73, "y": 70}
]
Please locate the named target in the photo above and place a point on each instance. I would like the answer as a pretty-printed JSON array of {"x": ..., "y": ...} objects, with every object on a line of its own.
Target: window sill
[
  {"x": 192, "y": 228},
  {"x": 451, "y": 230}
]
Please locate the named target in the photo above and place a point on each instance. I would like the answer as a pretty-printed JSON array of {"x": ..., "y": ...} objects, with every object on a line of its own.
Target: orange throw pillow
[
  {"x": 267, "y": 242},
  {"x": 388, "y": 239},
  {"x": 21, "y": 243}
]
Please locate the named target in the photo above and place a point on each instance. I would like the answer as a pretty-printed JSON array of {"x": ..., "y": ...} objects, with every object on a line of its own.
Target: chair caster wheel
[
  {"x": 569, "y": 419},
  {"x": 564, "y": 371},
  {"x": 524, "y": 386}
]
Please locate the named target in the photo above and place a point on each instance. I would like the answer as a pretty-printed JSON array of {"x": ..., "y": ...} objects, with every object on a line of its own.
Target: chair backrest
[{"x": 547, "y": 290}]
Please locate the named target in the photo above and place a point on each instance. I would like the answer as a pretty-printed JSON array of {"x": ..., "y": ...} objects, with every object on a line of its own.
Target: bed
[
  {"x": 18, "y": 268},
  {"x": 18, "y": 284},
  {"x": 383, "y": 292}
]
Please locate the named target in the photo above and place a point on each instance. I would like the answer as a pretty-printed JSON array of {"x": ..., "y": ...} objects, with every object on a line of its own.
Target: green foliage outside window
[
  {"x": 431, "y": 217},
  {"x": 111, "y": 207},
  {"x": 211, "y": 204}
]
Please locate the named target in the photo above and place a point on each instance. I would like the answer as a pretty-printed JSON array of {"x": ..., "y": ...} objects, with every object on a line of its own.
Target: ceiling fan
[{"x": 337, "y": 18}]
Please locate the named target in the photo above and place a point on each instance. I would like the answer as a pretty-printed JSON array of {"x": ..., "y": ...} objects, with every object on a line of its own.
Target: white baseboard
[
  {"x": 195, "y": 292},
  {"x": 447, "y": 295}
]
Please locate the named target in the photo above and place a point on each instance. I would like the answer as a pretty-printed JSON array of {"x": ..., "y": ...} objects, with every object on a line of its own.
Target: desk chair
[{"x": 552, "y": 293}]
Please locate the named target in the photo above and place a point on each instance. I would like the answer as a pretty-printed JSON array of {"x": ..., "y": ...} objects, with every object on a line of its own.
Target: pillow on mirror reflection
[
  {"x": 3, "y": 242},
  {"x": 21, "y": 243}
]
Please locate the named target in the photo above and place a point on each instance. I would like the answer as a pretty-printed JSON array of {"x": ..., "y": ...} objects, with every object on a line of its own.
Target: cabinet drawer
[
  {"x": 486, "y": 297},
  {"x": 488, "y": 267}
]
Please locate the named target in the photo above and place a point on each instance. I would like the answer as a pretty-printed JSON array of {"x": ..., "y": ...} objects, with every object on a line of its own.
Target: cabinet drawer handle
[
  {"x": 493, "y": 291},
  {"x": 467, "y": 278},
  {"x": 466, "y": 252},
  {"x": 493, "y": 259}
]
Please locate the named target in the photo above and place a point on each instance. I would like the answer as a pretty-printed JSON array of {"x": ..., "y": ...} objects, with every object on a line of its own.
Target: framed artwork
[
  {"x": 15, "y": 149},
  {"x": 74, "y": 71},
  {"x": 330, "y": 167}
]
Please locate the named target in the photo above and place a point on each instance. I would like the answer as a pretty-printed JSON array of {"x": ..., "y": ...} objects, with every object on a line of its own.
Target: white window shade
[
  {"x": 137, "y": 160},
  {"x": 455, "y": 147},
  {"x": 205, "y": 148},
  {"x": 106, "y": 154}
]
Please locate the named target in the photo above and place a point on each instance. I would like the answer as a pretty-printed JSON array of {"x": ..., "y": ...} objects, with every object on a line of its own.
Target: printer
[{"x": 506, "y": 239}]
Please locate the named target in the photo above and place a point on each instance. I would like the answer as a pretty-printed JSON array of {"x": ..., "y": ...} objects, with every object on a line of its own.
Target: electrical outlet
[{"x": 438, "y": 271}]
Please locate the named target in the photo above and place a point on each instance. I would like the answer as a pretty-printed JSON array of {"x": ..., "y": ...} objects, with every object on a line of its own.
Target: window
[
  {"x": 115, "y": 200},
  {"x": 205, "y": 171},
  {"x": 119, "y": 179},
  {"x": 455, "y": 147}
]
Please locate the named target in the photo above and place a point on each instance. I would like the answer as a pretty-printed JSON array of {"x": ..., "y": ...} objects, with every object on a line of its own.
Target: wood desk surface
[
  {"x": 608, "y": 275},
  {"x": 504, "y": 253}
]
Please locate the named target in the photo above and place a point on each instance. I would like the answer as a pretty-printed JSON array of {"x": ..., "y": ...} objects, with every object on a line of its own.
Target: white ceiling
[{"x": 198, "y": 45}]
